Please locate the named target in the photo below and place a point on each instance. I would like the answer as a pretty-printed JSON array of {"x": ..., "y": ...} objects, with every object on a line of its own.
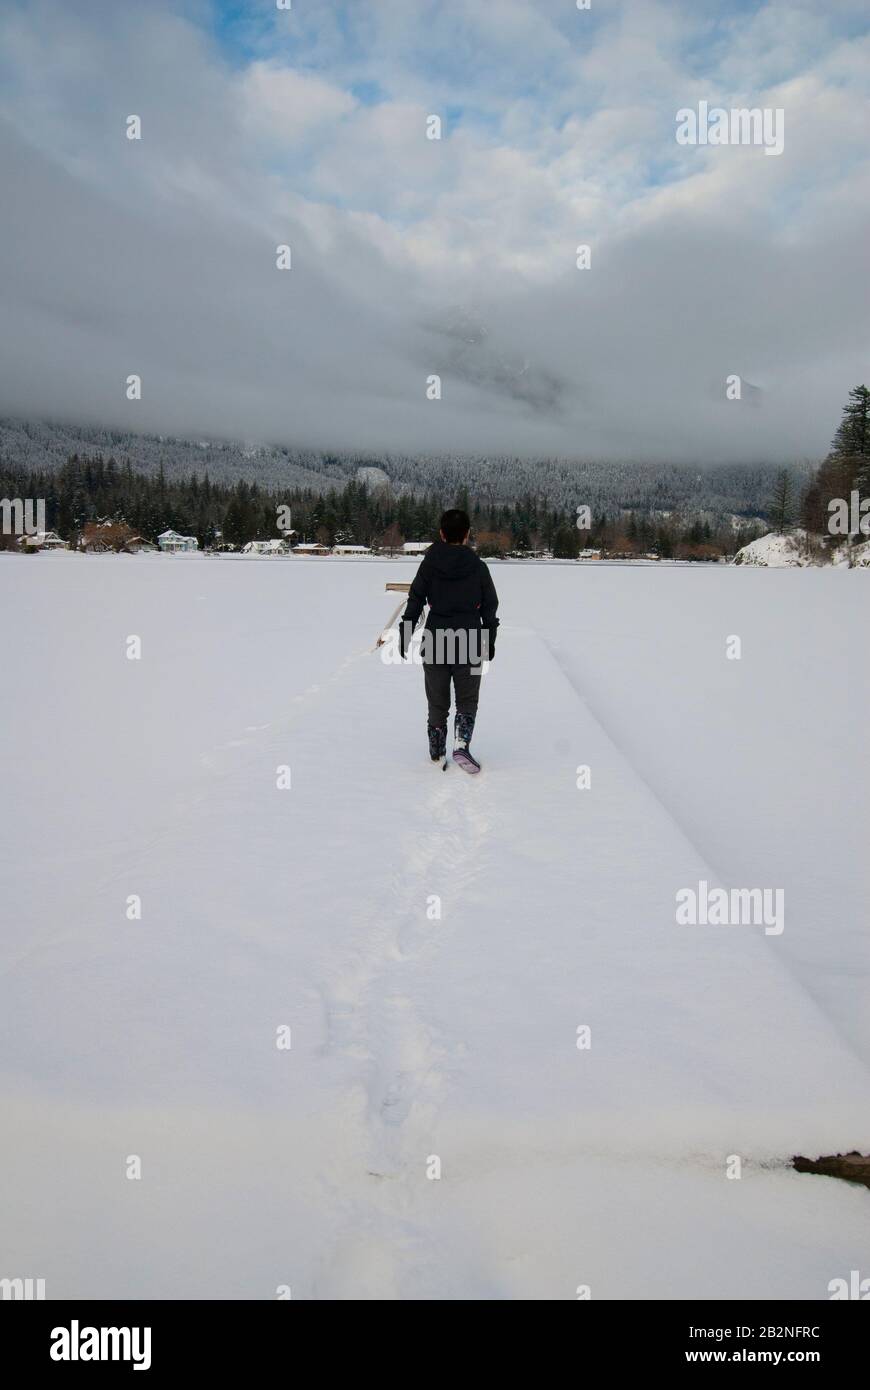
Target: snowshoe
[
  {"x": 462, "y": 730},
  {"x": 465, "y": 759}
]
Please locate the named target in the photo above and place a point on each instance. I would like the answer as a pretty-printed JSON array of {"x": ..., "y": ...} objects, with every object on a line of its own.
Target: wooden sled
[{"x": 392, "y": 589}]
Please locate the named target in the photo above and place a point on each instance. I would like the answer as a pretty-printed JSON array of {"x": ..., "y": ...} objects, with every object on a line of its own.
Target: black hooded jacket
[{"x": 458, "y": 588}]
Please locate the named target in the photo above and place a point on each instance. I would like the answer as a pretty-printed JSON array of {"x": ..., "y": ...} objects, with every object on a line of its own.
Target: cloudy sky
[{"x": 307, "y": 127}]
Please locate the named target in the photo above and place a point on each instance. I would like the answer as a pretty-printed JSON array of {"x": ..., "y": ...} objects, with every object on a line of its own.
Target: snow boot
[
  {"x": 437, "y": 742},
  {"x": 463, "y": 728}
]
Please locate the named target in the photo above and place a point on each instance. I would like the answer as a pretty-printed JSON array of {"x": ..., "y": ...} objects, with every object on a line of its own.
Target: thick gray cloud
[{"x": 413, "y": 257}]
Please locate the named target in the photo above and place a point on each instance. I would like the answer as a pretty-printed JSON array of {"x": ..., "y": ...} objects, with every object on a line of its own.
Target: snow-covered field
[{"x": 433, "y": 941}]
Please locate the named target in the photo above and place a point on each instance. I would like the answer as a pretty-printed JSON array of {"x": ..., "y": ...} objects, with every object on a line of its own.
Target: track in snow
[{"x": 413, "y": 1036}]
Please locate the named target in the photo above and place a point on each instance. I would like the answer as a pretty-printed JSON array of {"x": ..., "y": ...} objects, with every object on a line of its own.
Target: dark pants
[{"x": 466, "y": 684}]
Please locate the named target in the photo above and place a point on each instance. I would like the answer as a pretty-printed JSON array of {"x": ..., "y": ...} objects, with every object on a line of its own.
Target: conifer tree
[{"x": 781, "y": 506}]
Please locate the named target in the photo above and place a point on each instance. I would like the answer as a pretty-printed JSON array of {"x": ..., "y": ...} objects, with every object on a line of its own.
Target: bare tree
[{"x": 392, "y": 539}]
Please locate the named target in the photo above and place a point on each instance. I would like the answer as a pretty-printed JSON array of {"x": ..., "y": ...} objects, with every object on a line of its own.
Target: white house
[
  {"x": 43, "y": 540},
  {"x": 351, "y": 550},
  {"x": 310, "y": 548},
  {"x": 415, "y": 547},
  {"x": 273, "y": 547},
  {"x": 172, "y": 543}
]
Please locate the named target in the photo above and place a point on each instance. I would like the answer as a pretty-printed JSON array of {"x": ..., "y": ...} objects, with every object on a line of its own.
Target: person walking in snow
[{"x": 459, "y": 634}]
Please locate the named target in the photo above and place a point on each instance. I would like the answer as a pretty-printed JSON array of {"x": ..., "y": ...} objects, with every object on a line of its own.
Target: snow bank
[
  {"x": 773, "y": 551},
  {"x": 858, "y": 556}
]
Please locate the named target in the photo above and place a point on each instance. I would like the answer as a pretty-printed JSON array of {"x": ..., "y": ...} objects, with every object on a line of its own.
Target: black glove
[{"x": 406, "y": 630}]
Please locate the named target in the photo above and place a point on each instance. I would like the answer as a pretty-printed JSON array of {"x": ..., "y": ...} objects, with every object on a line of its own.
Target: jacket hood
[{"x": 452, "y": 561}]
